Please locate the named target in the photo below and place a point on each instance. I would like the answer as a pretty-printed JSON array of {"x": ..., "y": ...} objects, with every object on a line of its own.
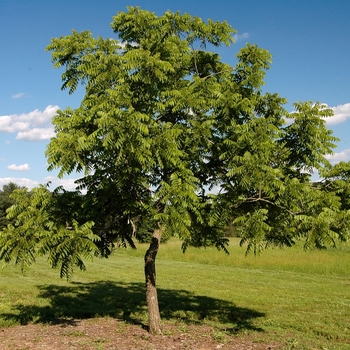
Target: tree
[
  {"x": 5, "y": 203},
  {"x": 170, "y": 137},
  {"x": 336, "y": 179}
]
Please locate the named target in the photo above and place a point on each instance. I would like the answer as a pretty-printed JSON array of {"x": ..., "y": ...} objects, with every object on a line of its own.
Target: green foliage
[
  {"x": 169, "y": 135},
  {"x": 5, "y": 203},
  {"x": 36, "y": 233},
  {"x": 144, "y": 228},
  {"x": 164, "y": 119},
  {"x": 336, "y": 180},
  {"x": 307, "y": 138},
  {"x": 144, "y": 126}
]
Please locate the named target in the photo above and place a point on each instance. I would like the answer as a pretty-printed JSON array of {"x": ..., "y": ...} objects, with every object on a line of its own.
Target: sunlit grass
[
  {"x": 332, "y": 261},
  {"x": 298, "y": 298}
]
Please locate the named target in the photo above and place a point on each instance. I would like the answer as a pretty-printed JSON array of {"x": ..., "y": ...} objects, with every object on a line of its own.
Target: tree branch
[
  {"x": 252, "y": 200},
  {"x": 217, "y": 73}
]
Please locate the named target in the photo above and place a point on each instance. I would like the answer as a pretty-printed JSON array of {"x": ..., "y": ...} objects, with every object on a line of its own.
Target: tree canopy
[{"x": 170, "y": 136}]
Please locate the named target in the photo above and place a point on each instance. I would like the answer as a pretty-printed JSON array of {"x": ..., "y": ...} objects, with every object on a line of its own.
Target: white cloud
[
  {"x": 33, "y": 126},
  {"x": 23, "y": 182},
  {"x": 341, "y": 114},
  {"x": 36, "y": 134},
  {"x": 21, "y": 94},
  {"x": 239, "y": 37},
  {"x": 124, "y": 43},
  {"x": 22, "y": 167},
  {"x": 68, "y": 184},
  {"x": 343, "y": 156}
]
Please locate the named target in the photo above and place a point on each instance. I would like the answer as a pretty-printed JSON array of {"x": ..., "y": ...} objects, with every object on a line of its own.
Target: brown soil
[{"x": 108, "y": 334}]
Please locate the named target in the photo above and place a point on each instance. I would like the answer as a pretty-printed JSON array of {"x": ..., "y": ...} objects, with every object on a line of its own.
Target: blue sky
[{"x": 309, "y": 41}]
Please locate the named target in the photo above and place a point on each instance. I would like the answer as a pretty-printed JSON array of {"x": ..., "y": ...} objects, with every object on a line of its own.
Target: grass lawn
[{"x": 300, "y": 299}]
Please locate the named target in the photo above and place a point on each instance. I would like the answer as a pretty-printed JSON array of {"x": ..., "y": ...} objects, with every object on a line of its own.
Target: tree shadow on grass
[{"x": 127, "y": 302}]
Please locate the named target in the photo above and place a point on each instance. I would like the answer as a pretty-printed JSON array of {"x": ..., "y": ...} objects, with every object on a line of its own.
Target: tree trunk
[{"x": 151, "y": 291}]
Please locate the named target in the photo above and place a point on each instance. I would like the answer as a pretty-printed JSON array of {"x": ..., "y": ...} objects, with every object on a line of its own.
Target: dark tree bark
[{"x": 151, "y": 291}]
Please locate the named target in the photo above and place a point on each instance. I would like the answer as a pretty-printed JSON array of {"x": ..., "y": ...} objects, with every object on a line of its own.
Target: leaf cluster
[
  {"x": 37, "y": 232},
  {"x": 5, "y": 203}
]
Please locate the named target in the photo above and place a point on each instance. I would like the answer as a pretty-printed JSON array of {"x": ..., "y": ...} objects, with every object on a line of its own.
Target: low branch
[{"x": 252, "y": 200}]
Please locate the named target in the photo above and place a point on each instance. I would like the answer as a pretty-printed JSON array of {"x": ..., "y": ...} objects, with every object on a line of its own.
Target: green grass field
[{"x": 300, "y": 299}]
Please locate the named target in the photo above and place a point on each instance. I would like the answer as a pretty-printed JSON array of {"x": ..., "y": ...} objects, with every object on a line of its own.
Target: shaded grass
[{"x": 301, "y": 299}]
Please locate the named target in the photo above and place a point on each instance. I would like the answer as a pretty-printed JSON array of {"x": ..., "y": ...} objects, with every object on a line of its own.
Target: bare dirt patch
[{"x": 108, "y": 334}]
